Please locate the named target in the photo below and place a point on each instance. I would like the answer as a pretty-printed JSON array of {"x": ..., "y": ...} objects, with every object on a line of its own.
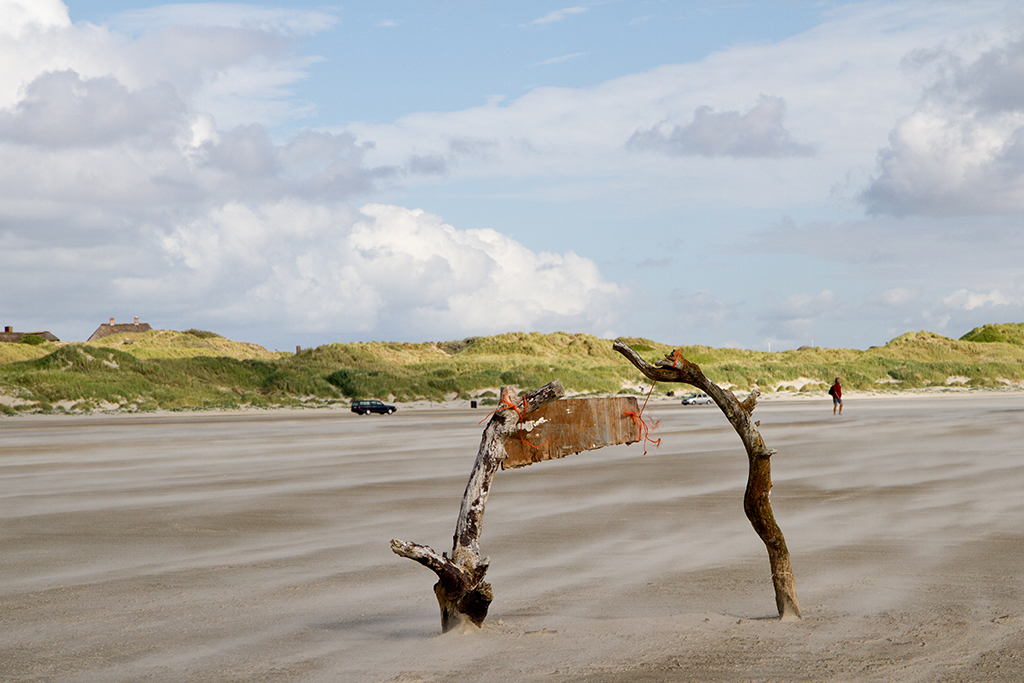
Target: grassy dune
[
  {"x": 187, "y": 344},
  {"x": 164, "y": 369}
]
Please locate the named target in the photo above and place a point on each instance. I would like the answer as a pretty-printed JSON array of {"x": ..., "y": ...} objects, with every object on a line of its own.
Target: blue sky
[{"x": 721, "y": 173}]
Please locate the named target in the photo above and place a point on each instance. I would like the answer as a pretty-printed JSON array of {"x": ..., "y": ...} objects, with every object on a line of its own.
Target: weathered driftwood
[
  {"x": 461, "y": 591},
  {"x": 756, "y": 505}
]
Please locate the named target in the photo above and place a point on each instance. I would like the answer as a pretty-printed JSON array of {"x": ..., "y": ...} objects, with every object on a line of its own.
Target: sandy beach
[{"x": 254, "y": 546}]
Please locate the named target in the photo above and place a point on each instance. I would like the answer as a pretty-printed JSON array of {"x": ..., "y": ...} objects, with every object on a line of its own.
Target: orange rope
[
  {"x": 509, "y": 403},
  {"x": 642, "y": 425}
]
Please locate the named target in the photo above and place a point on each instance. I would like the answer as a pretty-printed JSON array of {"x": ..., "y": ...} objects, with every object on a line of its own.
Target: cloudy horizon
[{"x": 730, "y": 174}]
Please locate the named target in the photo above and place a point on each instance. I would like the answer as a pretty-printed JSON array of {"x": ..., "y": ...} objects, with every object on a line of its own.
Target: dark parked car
[{"x": 372, "y": 406}]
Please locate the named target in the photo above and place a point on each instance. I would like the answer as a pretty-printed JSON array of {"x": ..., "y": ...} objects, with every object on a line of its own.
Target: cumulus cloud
[
  {"x": 18, "y": 15},
  {"x": 115, "y": 149},
  {"x": 61, "y": 109},
  {"x": 760, "y": 132},
  {"x": 842, "y": 94},
  {"x": 385, "y": 268},
  {"x": 966, "y": 308},
  {"x": 97, "y": 129},
  {"x": 161, "y": 161},
  {"x": 124, "y": 180},
  {"x": 897, "y": 298},
  {"x": 961, "y": 151},
  {"x": 966, "y": 300}
]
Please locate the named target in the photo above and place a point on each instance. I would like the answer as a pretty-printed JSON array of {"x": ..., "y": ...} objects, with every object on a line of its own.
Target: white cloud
[
  {"x": 60, "y": 109},
  {"x": 757, "y": 133},
  {"x": 39, "y": 15},
  {"x": 556, "y": 16},
  {"x": 227, "y": 15},
  {"x": 238, "y": 75},
  {"x": 961, "y": 151},
  {"x": 160, "y": 161},
  {"x": 73, "y": 143},
  {"x": 836, "y": 86},
  {"x": 895, "y": 298},
  {"x": 966, "y": 300},
  {"x": 128, "y": 182},
  {"x": 563, "y": 58},
  {"x": 966, "y": 308},
  {"x": 385, "y": 268}
]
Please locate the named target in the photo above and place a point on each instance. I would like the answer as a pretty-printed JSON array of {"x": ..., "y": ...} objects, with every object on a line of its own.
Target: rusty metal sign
[{"x": 572, "y": 425}]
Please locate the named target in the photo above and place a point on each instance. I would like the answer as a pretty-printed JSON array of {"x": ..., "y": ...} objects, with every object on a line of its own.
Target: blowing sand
[{"x": 254, "y": 547}]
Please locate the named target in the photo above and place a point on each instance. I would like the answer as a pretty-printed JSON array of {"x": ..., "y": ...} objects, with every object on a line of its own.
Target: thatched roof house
[
  {"x": 105, "y": 330},
  {"x": 9, "y": 335}
]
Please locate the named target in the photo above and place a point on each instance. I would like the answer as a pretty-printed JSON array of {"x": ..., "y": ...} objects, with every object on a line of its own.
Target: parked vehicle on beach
[
  {"x": 372, "y": 406},
  {"x": 697, "y": 400}
]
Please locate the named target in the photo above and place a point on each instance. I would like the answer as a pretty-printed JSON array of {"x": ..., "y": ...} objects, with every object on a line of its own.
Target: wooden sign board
[{"x": 572, "y": 425}]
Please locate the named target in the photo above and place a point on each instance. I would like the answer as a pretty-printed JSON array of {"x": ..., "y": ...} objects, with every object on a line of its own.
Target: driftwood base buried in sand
[
  {"x": 525, "y": 430},
  {"x": 461, "y": 591}
]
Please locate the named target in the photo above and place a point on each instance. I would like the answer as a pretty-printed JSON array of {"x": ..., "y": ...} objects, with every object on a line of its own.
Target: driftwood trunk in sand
[
  {"x": 460, "y": 589},
  {"x": 756, "y": 505}
]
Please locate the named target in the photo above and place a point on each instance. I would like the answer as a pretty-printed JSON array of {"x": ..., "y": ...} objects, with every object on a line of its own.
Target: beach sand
[{"x": 254, "y": 546}]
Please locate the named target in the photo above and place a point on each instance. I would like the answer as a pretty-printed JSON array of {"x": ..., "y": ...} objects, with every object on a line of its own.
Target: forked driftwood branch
[
  {"x": 756, "y": 505},
  {"x": 461, "y": 591}
]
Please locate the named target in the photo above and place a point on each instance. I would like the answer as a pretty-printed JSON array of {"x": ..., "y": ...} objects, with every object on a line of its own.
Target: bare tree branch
[{"x": 756, "y": 505}]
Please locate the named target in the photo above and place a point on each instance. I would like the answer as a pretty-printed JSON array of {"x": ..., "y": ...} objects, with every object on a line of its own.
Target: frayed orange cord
[
  {"x": 509, "y": 403},
  {"x": 642, "y": 424}
]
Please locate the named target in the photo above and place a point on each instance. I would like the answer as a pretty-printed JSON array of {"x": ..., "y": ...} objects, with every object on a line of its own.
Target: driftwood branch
[
  {"x": 756, "y": 504},
  {"x": 461, "y": 592}
]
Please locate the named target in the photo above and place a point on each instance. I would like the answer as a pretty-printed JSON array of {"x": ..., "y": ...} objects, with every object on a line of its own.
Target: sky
[{"x": 763, "y": 175}]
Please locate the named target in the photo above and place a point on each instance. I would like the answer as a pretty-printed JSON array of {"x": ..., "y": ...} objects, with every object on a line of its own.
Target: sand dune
[{"x": 254, "y": 547}]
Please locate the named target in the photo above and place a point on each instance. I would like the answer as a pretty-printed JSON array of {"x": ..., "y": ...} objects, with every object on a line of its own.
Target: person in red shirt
[{"x": 836, "y": 392}]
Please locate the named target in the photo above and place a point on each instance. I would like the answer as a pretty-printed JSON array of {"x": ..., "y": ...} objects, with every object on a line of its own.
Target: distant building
[
  {"x": 9, "y": 335},
  {"x": 105, "y": 330}
]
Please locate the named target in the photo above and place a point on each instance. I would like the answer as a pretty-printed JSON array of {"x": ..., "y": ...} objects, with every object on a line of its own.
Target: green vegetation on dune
[
  {"x": 187, "y": 344},
  {"x": 1009, "y": 333},
  {"x": 91, "y": 377},
  {"x": 11, "y": 352},
  {"x": 164, "y": 369}
]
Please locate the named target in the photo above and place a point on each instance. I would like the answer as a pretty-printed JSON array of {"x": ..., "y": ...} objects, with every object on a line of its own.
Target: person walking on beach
[{"x": 836, "y": 392}]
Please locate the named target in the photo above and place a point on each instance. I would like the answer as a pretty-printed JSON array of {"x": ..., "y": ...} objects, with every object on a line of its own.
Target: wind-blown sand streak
[{"x": 254, "y": 547}]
